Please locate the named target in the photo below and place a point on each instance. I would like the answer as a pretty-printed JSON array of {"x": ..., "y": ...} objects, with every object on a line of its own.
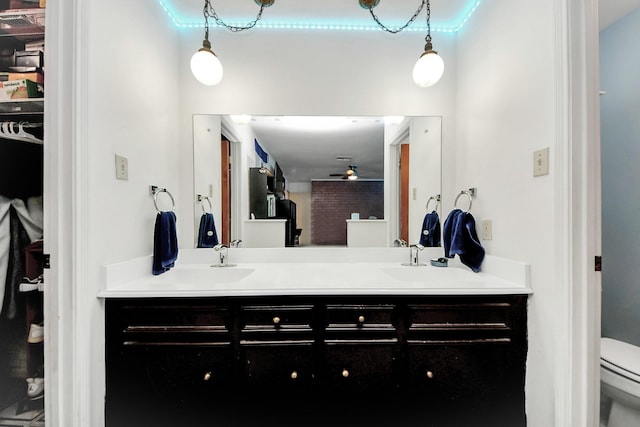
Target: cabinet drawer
[
  {"x": 263, "y": 318},
  {"x": 187, "y": 313},
  {"x": 360, "y": 318},
  {"x": 158, "y": 322},
  {"x": 445, "y": 319}
]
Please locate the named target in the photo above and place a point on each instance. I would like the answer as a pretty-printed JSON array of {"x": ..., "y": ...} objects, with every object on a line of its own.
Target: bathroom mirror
[{"x": 310, "y": 160}]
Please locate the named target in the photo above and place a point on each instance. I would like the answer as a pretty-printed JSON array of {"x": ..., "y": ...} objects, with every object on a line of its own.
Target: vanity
[{"x": 363, "y": 341}]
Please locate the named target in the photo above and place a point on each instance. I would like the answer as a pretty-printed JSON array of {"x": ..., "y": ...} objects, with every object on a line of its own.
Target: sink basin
[{"x": 203, "y": 275}]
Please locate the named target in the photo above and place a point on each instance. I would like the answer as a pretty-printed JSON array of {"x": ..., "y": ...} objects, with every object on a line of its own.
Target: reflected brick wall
[{"x": 332, "y": 203}]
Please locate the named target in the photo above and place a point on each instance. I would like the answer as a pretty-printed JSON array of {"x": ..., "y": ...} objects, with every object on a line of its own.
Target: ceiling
[
  {"x": 444, "y": 13},
  {"x": 308, "y": 147}
]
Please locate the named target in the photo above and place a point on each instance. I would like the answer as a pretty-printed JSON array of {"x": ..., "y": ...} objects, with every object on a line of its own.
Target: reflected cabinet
[{"x": 316, "y": 361}]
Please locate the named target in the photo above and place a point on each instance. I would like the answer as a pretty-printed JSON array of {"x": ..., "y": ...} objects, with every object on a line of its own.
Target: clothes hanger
[
  {"x": 27, "y": 136},
  {"x": 7, "y": 131}
]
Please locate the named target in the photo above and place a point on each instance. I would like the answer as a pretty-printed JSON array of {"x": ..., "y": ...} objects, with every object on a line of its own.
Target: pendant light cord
[
  {"x": 428, "y": 38},
  {"x": 209, "y": 11},
  {"x": 409, "y": 22}
]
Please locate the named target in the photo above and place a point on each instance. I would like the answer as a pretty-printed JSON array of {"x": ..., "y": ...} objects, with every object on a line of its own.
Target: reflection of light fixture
[
  {"x": 429, "y": 68},
  {"x": 241, "y": 119},
  {"x": 393, "y": 120},
  {"x": 205, "y": 65},
  {"x": 430, "y": 65}
]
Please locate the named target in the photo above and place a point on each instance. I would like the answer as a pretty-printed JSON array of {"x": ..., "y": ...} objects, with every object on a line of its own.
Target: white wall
[
  {"x": 506, "y": 110},
  {"x": 132, "y": 80}
]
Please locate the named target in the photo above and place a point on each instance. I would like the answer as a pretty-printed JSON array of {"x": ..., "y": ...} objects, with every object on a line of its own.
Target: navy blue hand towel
[
  {"x": 459, "y": 237},
  {"x": 207, "y": 235},
  {"x": 447, "y": 231},
  {"x": 165, "y": 242},
  {"x": 430, "y": 233}
]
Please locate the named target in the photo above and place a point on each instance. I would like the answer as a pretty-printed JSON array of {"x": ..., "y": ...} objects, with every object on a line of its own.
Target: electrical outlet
[
  {"x": 122, "y": 168},
  {"x": 487, "y": 229},
  {"x": 541, "y": 162}
]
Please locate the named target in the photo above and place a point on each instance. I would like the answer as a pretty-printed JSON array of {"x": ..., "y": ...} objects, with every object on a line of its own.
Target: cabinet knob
[
  {"x": 361, "y": 319},
  {"x": 294, "y": 375},
  {"x": 429, "y": 374},
  {"x": 207, "y": 376},
  {"x": 345, "y": 373},
  {"x": 276, "y": 320}
]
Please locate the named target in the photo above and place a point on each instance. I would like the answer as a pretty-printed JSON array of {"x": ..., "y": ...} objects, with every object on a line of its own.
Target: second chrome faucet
[
  {"x": 414, "y": 250},
  {"x": 223, "y": 253}
]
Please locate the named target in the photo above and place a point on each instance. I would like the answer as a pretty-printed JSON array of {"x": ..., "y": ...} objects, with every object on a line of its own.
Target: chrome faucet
[
  {"x": 222, "y": 252},
  {"x": 235, "y": 243},
  {"x": 400, "y": 242},
  {"x": 413, "y": 253}
]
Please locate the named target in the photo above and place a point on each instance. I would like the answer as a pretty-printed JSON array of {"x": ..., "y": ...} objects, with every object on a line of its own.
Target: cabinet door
[
  {"x": 160, "y": 383},
  {"x": 469, "y": 383},
  {"x": 277, "y": 383},
  {"x": 358, "y": 368},
  {"x": 273, "y": 369}
]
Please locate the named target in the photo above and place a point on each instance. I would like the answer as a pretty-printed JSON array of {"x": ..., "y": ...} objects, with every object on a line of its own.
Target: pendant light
[
  {"x": 430, "y": 66},
  {"x": 205, "y": 65}
]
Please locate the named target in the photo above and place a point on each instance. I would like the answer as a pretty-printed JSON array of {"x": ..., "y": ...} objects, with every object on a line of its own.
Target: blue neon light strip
[{"x": 323, "y": 26}]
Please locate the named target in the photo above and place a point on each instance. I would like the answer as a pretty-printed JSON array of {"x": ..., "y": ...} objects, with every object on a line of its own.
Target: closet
[{"x": 22, "y": 374}]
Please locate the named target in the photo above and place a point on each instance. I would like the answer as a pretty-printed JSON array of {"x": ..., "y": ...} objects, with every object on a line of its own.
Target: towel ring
[
  {"x": 468, "y": 194},
  {"x": 208, "y": 199},
  {"x": 436, "y": 199},
  {"x": 155, "y": 198}
]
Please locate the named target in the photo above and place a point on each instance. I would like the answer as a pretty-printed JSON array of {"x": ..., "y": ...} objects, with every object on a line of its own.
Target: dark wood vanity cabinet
[{"x": 316, "y": 361}]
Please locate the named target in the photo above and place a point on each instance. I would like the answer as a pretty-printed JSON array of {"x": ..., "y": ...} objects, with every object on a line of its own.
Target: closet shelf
[
  {"x": 22, "y": 23},
  {"x": 22, "y": 106}
]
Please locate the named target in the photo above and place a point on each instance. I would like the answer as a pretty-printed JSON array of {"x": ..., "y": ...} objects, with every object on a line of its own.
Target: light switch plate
[
  {"x": 541, "y": 162},
  {"x": 122, "y": 168},
  {"x": 487, "y": 229}
]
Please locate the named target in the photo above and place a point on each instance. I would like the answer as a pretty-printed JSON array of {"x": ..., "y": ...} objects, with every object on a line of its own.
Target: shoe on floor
[
  {"x": 36, "y": 334},
  {"x": 35, "y": 388}
]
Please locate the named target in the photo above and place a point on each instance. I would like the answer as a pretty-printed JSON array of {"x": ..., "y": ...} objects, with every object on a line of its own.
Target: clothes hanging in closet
[
  {"x": 29, "y": 216},
  {"x": 15, "y": 271}
]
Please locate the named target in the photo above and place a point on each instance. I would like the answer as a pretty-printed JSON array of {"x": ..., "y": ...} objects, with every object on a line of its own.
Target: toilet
[{"x": 619, "y": 384}]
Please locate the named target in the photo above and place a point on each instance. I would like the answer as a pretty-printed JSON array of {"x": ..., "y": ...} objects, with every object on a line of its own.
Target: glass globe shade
[
  {"x": 428, "y": 69},
  {"x": 206, "y": 67}
]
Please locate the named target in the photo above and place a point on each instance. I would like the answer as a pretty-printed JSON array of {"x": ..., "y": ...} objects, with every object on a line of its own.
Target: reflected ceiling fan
[{"x": 351, "y": 173}]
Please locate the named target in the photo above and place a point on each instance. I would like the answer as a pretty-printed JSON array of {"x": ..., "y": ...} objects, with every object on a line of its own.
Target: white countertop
[{"x": 307, "y": 272}]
